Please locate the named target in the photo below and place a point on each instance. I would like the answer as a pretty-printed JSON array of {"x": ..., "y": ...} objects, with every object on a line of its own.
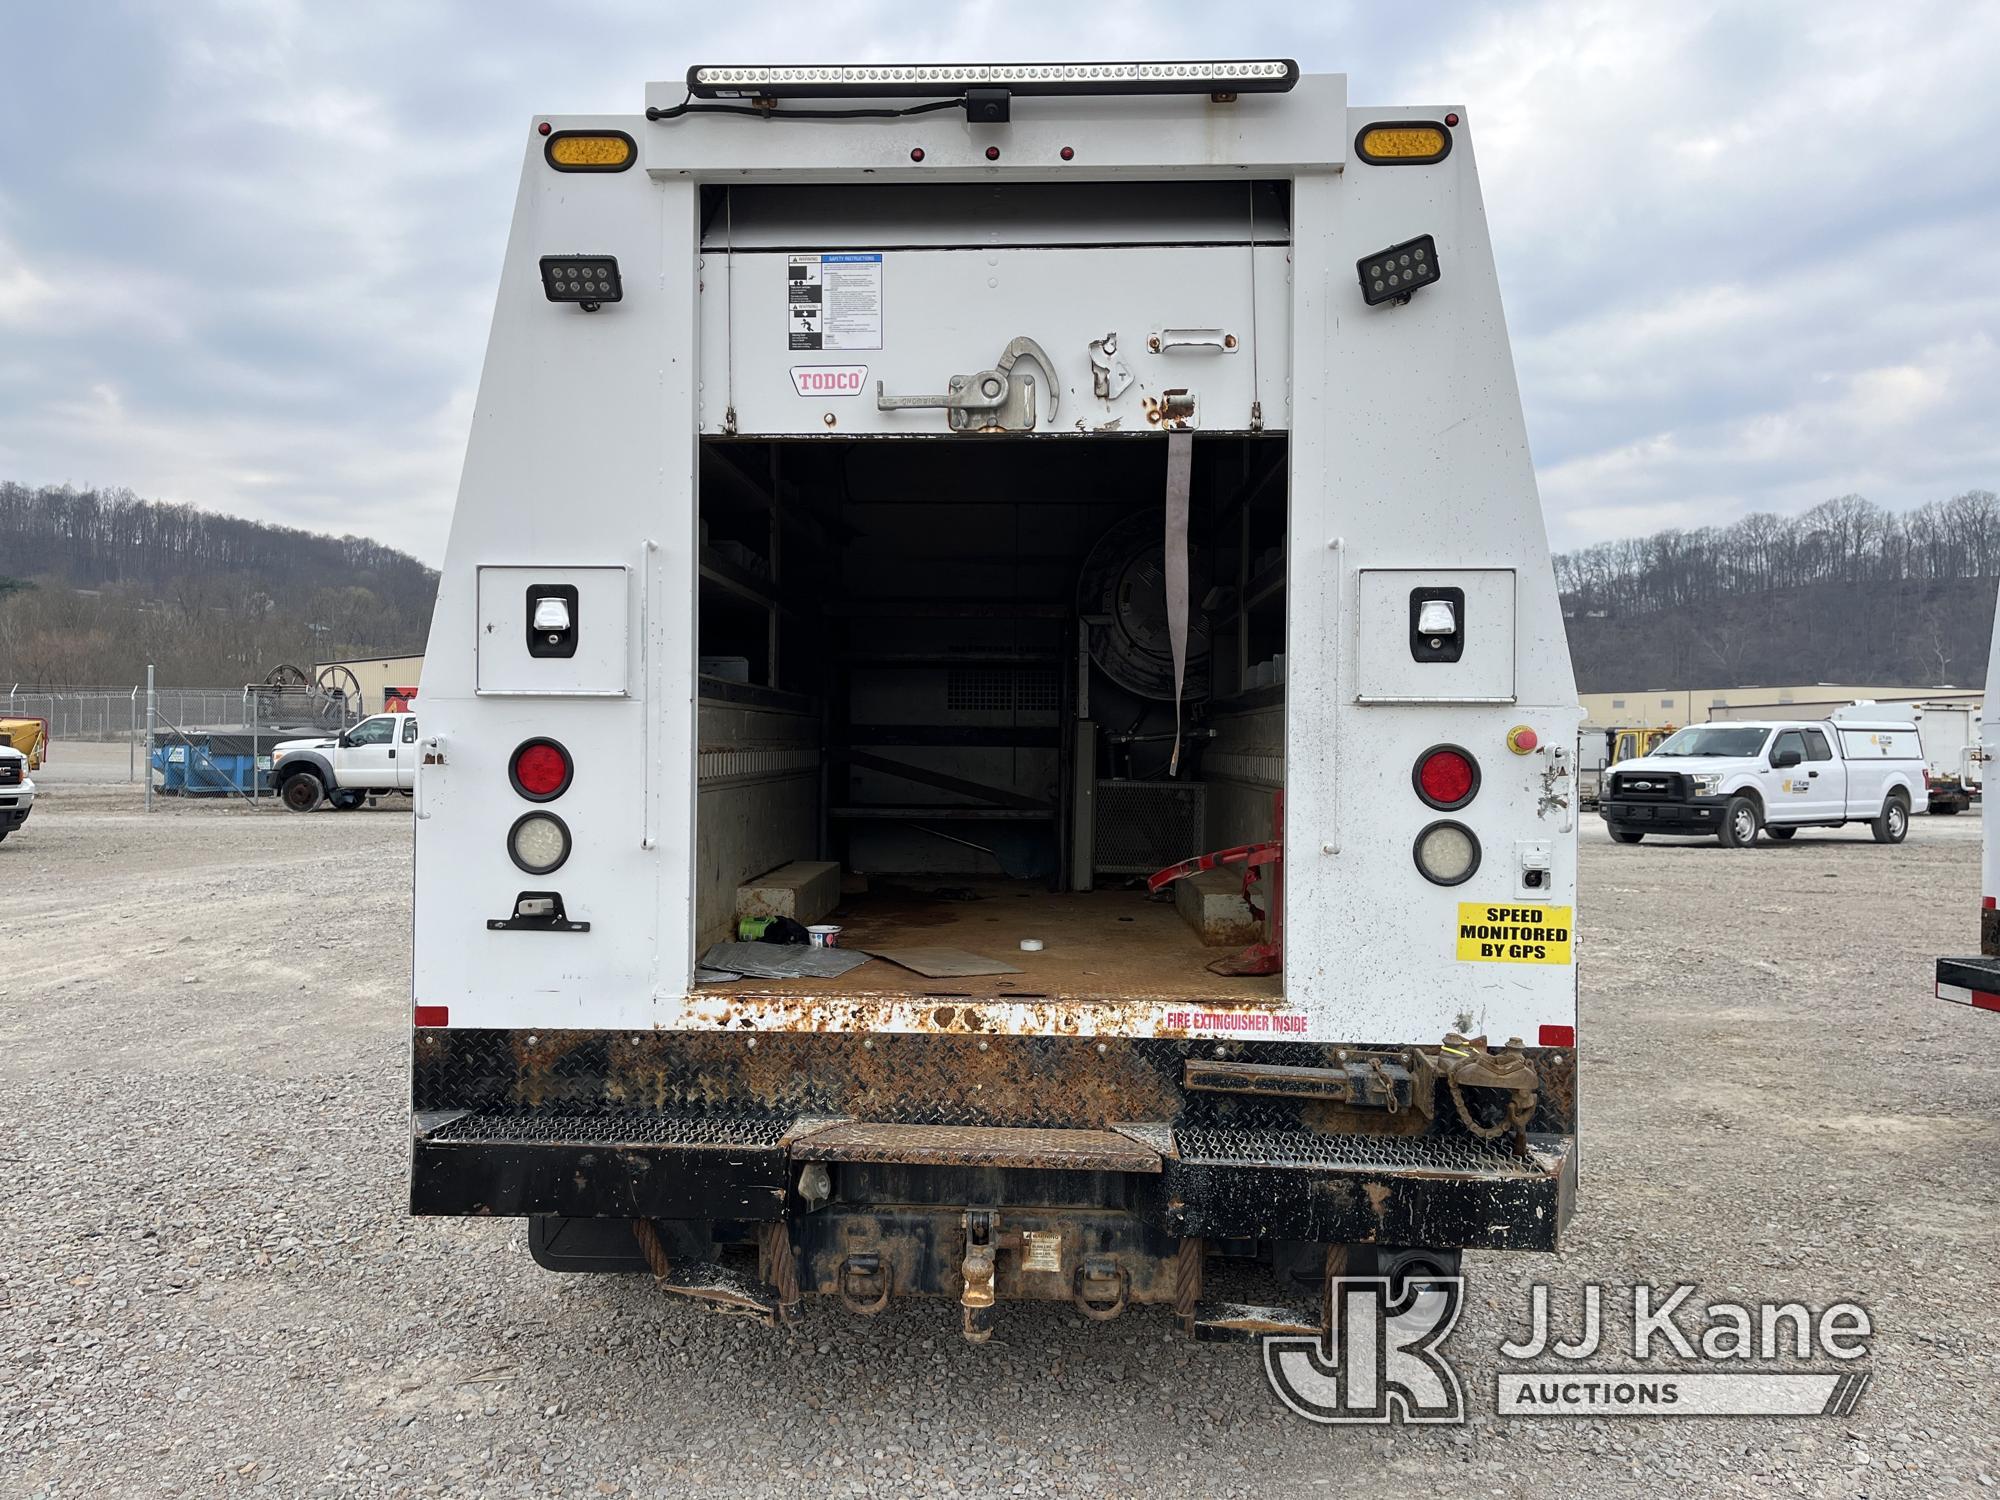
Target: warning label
[
  {"x": 834, "y": 301},
  {"x": 1235, "y": 1020},
  {"x": 1514, "y": 934}
]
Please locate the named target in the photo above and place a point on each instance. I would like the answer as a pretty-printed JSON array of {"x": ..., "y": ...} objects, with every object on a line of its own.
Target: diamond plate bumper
[{"x": 1210, "y": 1183}]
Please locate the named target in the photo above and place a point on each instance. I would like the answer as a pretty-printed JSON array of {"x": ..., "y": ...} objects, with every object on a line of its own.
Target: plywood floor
[{"x": 1097, "y": 945}]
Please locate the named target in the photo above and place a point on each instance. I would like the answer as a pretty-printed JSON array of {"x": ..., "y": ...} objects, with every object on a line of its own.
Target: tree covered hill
[
  {"x": 94, "y": 584},
  {"x": 1845, "y": 592}
]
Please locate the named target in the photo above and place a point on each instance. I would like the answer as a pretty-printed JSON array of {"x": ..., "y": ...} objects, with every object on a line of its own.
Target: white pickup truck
[
  {"x": 1734, "y": 780},
  {"x": 17, "y": 792},
  {"x": 379, "y": 754}
]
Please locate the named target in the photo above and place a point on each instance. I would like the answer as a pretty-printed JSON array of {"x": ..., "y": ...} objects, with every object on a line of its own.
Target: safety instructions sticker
[
  {"x": 1513, "y": 934},
  {"x": 834, "y": 301}
]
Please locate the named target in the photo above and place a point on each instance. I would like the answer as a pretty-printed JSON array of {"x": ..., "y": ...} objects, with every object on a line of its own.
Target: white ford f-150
[{"x": 1736, "y": 779}]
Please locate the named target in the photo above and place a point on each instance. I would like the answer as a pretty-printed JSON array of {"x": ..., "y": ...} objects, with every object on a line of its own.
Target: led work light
[
  {"x": 1391, "y": 275},
  {"x": 587, "y": 280}
]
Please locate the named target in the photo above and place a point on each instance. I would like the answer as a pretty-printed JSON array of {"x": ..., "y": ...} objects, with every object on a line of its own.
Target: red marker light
[
  {"x": 1451, "y": 119},
  {"x": 1068, "y": 153},
  {"x": 916, "y": 153},
  {"x": 540, "y": 770},
  {"x": 1558, "y": 1036},
  {"x": 545, "y": 127},
  {"x": 993, "y": 153},
  {"x": 433, "y": 1015},
  {"x": 1446, "y": 777}
]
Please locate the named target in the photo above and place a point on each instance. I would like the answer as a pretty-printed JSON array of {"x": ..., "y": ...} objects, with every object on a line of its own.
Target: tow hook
[
  {"x": 981, "y": 1246},
  {"x": 1103, "y": 1288},
  {"x": 863, "y": 1284},
  {"x": 1468, "y": 1063}
]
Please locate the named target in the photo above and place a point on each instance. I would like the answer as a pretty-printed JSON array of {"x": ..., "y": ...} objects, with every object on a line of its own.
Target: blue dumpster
[{"x": 219, "y": 762}]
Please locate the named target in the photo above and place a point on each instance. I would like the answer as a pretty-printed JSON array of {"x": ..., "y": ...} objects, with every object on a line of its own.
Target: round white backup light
[
  {"x": 1447, "y": 853},
  {"x": 538, "y": 842}
]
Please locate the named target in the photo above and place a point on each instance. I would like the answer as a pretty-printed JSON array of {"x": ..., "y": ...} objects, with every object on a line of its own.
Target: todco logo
[{"x": 829, "y": 380}]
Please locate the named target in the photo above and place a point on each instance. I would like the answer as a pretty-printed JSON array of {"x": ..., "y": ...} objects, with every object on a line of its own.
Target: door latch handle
[
  {"x": 995, "y": 400},
  {"x": 1192, "y": 340}
]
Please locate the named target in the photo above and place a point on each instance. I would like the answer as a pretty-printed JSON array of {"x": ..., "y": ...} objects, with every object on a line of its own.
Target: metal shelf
[
  {"x": 952, "y": 658},
  {"x": 919, "y": 813},
  {"x": 1265, "y": 586},
  {"x": 723, "y": 690},
  {"x": 732, "y": 578}
]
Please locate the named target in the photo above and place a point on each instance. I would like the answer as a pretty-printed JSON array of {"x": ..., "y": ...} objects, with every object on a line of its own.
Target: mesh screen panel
[{"x": 1143, "y": 826}]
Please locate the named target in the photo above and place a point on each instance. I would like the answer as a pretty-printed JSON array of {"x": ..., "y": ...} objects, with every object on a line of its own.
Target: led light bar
[{"x": 941, "y": 80}]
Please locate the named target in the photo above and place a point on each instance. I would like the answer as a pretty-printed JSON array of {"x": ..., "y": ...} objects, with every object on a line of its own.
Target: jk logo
[{"x": 1379, "y": 1361}]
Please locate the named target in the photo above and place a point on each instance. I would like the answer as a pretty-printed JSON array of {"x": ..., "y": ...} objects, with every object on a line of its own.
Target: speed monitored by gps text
[{"x": 1514, "y": 934}]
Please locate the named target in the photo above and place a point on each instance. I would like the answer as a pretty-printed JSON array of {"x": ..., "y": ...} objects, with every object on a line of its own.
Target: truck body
[
  {"x": 923, "y": 525},
  {"x": 1954, "y": 765},
  {"x": 377, "y": 755},
  {"x": 1974, "y": 980},
  {"x": 1736, "y": 779}
]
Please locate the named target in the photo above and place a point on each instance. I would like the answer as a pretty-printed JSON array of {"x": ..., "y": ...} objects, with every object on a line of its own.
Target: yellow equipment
[
  {"x": 29, "y": 736},
  {"x": 1630, "y": 744}
]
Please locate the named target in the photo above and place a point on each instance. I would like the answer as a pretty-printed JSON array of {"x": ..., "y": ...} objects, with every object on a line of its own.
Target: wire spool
[{"x": 336, "y": 696}]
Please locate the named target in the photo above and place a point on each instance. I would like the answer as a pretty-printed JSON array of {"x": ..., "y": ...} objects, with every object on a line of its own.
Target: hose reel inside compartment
[
  {"x": 1121, "y": 598},
  {"x": 1139, "y": 822}
]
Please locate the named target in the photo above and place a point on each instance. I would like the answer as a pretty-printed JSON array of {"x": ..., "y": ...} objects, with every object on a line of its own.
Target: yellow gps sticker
[{"x": 1513, "y": 934}]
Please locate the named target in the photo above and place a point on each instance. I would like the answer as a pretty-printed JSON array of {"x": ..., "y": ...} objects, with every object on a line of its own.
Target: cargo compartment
[{"x": 945, "y": 665}]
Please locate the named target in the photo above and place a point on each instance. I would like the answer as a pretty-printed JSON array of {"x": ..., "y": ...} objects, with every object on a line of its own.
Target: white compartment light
[
  {"x": 538, "y": 842},
  {"x": 1447, "y": 853}
]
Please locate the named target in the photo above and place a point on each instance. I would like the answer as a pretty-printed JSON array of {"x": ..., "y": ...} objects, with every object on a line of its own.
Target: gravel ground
[{"x": 213, "y": 1289}]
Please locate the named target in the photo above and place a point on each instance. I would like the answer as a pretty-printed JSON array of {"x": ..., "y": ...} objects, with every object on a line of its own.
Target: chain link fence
[
  {"x": 119, "y": 713},
  {"x": 181, "y": 715}
]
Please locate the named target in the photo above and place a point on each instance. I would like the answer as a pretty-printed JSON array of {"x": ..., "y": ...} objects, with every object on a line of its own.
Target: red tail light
[
  {"x": 1446, "y": 777},
  {"x": 540, "y": 770}
]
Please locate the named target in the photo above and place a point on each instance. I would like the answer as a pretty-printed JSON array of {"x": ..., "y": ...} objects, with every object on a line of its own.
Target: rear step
[{"x": 976, "y": 1146}]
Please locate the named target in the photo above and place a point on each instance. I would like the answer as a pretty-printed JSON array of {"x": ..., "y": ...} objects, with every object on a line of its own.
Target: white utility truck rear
[
  {"x": 1954, "y": 754},
  {"x": 1975, "y": 980},
  {"x": 929, "y": 501}
]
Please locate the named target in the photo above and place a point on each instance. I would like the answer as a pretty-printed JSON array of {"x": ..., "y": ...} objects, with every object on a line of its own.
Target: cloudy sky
[{"x": 1751, "y": 252}]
